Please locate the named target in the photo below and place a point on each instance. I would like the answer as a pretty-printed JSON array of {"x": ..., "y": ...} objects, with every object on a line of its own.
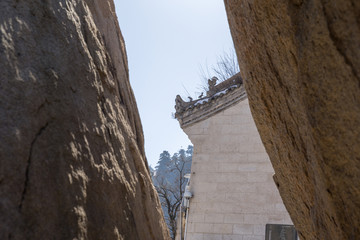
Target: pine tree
[{"x": 164, "y": 162}]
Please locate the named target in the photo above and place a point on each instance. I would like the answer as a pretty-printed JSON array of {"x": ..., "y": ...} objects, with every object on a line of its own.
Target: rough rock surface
[
  {"x": 301, "y": 65},
  {"x": 72, "y": 163}
]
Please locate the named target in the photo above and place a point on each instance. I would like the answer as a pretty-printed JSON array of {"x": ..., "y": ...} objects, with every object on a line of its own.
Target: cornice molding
[{"x": 218, "y": 102}]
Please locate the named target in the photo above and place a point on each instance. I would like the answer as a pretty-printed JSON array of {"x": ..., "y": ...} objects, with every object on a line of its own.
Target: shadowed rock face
[
  {"x": 301, "y": 64},
  {"x": 72, "y": 163}
]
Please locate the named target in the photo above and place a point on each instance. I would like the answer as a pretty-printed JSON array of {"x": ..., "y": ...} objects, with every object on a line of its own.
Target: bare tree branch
[
  {"x": 170, "y": 183},
  {"x": 225, "y": 67}
]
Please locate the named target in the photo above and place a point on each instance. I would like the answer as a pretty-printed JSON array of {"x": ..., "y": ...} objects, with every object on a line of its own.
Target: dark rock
[
  {"x": 72, "y": 162},
  {"x": 301, "y": 64}
]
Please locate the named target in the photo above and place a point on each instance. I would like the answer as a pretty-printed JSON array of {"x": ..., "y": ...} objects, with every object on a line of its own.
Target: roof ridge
[
  {"x": 215, "y": 90},
  {"x": 218, "y": 97}
]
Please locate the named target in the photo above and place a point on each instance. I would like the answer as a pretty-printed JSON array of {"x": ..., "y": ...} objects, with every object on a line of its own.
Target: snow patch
[{"x": 201, "y": 101}]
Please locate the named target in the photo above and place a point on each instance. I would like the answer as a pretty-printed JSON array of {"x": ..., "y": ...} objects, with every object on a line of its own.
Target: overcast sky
[{"x": 166, "y": 42}]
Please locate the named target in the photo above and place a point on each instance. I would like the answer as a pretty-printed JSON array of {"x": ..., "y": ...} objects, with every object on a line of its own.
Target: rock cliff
[
  {"x": 72, "y": 162},
  {"x": 301, "y": 64}
]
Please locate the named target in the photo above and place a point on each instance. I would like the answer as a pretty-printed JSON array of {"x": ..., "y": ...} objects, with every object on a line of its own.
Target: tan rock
[
  {"x": 72, "y": 162},
  {"x": 301, "y": 65}
]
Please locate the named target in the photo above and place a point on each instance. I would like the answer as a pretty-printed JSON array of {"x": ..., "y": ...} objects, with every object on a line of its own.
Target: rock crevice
[{"x": 27, "y": 169}]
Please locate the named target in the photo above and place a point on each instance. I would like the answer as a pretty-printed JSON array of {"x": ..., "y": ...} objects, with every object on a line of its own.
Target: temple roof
[{"x": 218, "y": 97}]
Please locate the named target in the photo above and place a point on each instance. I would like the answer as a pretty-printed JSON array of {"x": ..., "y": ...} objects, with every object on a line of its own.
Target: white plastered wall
[{"x": 234, "y": 195}]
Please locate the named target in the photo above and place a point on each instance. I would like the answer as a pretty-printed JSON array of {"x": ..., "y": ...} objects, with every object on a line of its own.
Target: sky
[{"x": 167, "y": 42}]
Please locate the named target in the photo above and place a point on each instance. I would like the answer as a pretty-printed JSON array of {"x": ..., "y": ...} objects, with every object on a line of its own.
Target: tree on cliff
[{"x": 170, "y": 183}]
